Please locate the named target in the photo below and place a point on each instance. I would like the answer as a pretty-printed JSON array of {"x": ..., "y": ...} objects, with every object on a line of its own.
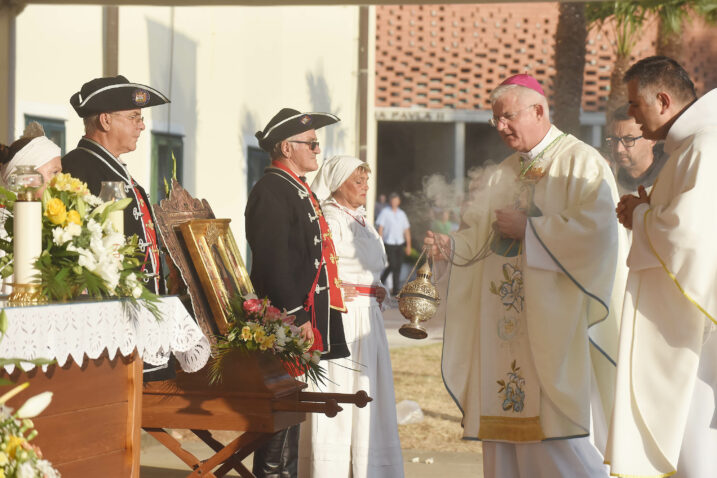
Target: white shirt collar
[{"x": 552, "y": 133}]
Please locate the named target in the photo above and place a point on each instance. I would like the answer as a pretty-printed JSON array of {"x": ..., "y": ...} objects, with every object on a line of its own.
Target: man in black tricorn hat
[
  {"x": 111, "y": 110},
  {"x": 294, "y": 263}
]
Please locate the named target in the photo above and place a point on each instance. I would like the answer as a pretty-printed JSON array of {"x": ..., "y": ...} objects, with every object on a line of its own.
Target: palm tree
[
  {"x": 570, "y": 37},
  {"x": 624, "y": 19},
  {"x": 672, "y": 16}
]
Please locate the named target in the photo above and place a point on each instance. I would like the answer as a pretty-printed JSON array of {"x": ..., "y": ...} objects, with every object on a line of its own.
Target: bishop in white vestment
[
  {"x": 664, "y": 420},
  {"x": 530, "y": 331}
]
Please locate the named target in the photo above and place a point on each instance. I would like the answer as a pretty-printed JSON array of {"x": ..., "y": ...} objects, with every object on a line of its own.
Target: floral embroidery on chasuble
[{"x": 510, "y": 389}]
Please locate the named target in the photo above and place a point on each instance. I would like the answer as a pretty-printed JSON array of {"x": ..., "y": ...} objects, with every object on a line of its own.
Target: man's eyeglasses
[
  {"x": 135, "y": 118},
  {"x": 312, "y": 144},
  {"x": 495, "y": 120},
  {"x": 627, "y": 141}
]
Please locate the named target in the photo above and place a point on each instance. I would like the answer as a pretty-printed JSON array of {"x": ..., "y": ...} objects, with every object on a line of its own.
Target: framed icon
[{"x": 218, "y": 263}]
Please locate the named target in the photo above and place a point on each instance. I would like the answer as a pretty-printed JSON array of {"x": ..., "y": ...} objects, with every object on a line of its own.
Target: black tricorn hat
[
  {"x": 289, "y": 122},
  {"x": 105, "y": 95}
]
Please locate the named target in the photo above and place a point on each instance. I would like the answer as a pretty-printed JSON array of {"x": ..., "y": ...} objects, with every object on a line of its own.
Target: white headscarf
[
  {"x": 36, "y": 153},
  {"x": 333, "y": 173}
]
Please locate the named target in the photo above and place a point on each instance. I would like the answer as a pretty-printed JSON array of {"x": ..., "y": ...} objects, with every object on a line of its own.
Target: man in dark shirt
[
  {"x": 294, "y": 263},
  {"x": 111, "y": 110}
]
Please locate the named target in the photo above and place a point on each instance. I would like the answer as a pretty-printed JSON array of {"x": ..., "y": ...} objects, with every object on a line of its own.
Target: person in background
[
  {"x": 443, "y": 224},
  {"x": 358, "y": 442},
  {"x": 32, "y": 149},
  {"x": 394, "y": 228},
  {"x": 665, "y": 407},
  {"x": 381, "y": 204},
  {"x": 638, "y": 160}
]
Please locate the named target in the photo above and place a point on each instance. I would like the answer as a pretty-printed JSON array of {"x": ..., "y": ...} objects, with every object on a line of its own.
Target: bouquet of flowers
[
  {"x": 257, "y": 325},
  {"x": 18, "y": 457},
  {"x": 82, "y": 252}
]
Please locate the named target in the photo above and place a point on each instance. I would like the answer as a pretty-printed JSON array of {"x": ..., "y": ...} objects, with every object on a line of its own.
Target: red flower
[{"x": 253, "y": 306}]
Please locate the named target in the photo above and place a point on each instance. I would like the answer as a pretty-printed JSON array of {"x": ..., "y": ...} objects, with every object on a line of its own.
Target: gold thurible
[{"x": 418, "y": 302}]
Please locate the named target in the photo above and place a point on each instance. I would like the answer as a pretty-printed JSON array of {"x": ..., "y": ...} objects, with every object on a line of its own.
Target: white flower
[
  {"x": 281, "y": 336},
  {"x": 316, "y": 357},
  {"x": 35, "y": 405},
  {"x": 45, "y": 467},
  {"x": 93, "y": 201},
  {"x": 136, "y": 292},
  {"x": 86, "y": 259},
  {"x": 25, "y": 470},
  {"x": 62, "y": 235},
  {"x": 95, "y": 229},
  {"x": 108, "y": 270}
]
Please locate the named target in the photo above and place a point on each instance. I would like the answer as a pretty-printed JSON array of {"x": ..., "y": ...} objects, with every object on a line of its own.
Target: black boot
[{"x": 279, "y": 457}]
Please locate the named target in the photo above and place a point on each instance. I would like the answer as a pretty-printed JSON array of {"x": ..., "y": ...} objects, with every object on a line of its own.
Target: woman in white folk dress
[
  {"x": 32, "y": 149},
  {"x": 358, "y": 442}
]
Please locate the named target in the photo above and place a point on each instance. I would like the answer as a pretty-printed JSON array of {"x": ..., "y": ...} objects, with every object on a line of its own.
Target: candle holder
[
  {"x": 25, "y": 181},
  {"x": 114, "y": 191}
]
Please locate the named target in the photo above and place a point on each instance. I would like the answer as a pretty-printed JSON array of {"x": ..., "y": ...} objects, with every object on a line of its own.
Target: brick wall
[{"x": 452, "y": 56}]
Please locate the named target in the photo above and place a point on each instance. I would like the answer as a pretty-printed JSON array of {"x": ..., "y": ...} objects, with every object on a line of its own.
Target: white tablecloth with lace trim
[{"x": 78, "y": 329}]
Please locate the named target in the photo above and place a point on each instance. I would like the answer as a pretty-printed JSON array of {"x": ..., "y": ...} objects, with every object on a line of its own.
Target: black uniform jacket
[
  {"x": 283, "y": 233},
  {"x": 92, "y": 163}
]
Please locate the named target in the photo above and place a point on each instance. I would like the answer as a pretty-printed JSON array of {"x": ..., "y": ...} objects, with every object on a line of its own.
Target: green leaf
[{"x": 3, "y": 323}]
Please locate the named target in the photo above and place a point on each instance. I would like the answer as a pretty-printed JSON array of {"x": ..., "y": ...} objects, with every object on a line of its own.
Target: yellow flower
[
  {"x": 65, "y": 182},
  {"x": 12, "y": 445},
  {"x": 74, "y": 216},
  {"x": 259, "y": 336},
  {"x": 269, "y": 341},
  {"x": 246, "y": 333},
  {"x": 56, "y": 211}
]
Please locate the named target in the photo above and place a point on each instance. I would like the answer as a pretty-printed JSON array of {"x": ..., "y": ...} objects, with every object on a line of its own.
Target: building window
[
  {"x": 257, "y": 161},
  {"x": 163, "y": 147},
  {"x": 54, "y": 129}
]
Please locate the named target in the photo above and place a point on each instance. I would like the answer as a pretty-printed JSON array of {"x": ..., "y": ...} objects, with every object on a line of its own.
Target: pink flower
[
  {"x": 272, "y": 313},
  {"x": 253, "y": 306}
]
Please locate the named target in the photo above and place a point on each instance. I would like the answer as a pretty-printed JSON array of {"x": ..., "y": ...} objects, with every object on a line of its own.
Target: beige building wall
[{"x": 227, "y": 70}]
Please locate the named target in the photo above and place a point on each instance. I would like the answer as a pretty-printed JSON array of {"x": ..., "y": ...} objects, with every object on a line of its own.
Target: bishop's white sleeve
[{"x": 535, "y": 254}]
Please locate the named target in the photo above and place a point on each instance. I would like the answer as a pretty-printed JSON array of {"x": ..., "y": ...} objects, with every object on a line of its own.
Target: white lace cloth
[{"x": 79, "y": 329}]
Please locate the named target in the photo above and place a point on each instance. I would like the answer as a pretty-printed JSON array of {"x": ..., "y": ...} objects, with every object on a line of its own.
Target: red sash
[
  {"x": 151, "y": 251},
  {"x": 328, "y": 251}
]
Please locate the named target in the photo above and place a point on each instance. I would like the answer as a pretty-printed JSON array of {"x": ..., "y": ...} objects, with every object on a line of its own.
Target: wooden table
[{"x": 91, "y": 428}]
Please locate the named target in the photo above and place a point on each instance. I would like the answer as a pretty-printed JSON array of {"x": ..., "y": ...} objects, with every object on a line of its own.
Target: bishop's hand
[
  {"x": 438, "y": 246},
  {"x": 511, "y": 223}
]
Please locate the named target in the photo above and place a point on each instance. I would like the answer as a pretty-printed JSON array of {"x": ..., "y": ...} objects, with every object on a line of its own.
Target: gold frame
[{"x": 218, "y": 263}]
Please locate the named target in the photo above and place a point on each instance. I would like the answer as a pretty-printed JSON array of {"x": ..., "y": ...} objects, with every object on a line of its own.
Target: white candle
[
  {"x": 27, "y": 240},
  {"x": 117, "y": 220}
]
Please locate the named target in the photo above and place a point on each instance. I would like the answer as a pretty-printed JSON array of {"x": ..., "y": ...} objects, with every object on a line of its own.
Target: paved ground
[{"x": 157, "y": 462}]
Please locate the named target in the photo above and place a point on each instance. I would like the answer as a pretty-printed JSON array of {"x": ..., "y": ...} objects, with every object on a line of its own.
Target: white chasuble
[
  {"x": 670, "y": 306},
  {"x": 520, "y": 366}
]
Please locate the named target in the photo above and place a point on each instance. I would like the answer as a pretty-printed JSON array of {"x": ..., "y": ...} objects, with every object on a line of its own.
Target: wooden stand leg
[
  {"x": 241, "y": 446},
  {"x": 175, "y": 447},
  {"x": 247, "y": 444}
]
